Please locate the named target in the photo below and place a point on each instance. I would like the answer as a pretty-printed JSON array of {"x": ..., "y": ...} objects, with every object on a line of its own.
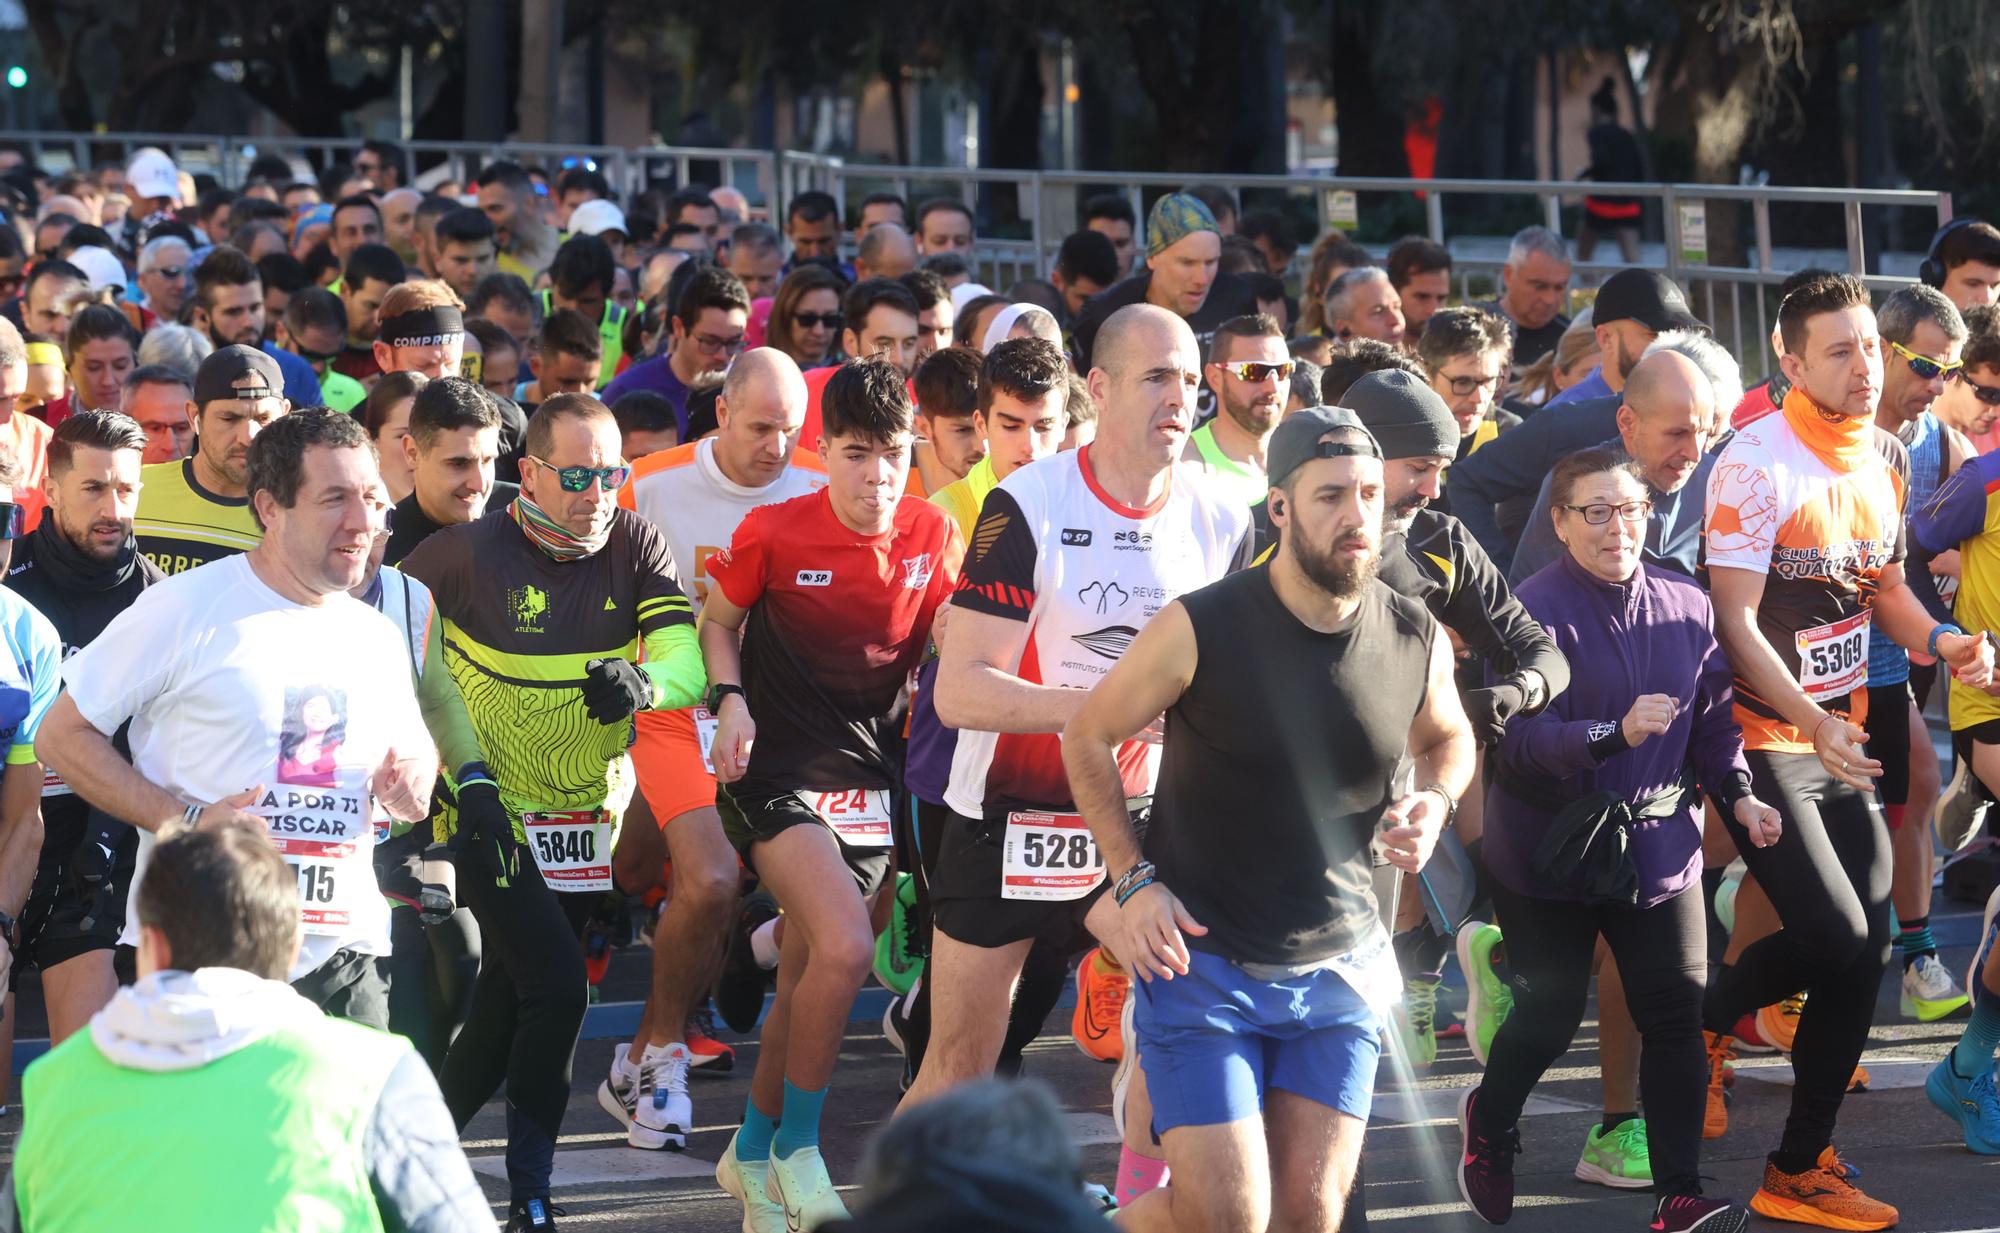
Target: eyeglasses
[
  {"x": 1924, "y": 366},
  {"x": 1988, "y": 394},
  {"x": 1598, "y": 513},
  {"x": 577, "y": 479},
  {"x": 825, "y": 321},
  {"x": 719, "y": 346},
  {"x": 1253, "y": 370},
  {"x": 1462, "y": 386}
]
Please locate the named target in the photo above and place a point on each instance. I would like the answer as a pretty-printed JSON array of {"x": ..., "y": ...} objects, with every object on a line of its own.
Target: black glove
[
  {"x": 615, "y": 688},
  {"x": 481, "y": 815},
  {"x": 1490, "y": 709}
]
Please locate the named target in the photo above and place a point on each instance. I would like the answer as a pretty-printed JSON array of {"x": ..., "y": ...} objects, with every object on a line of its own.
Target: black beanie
[{"x": 1406, "y": 416}]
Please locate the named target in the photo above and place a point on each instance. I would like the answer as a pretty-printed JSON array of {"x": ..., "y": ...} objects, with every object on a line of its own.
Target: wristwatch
[
  {"x": 719, "y": 691},
  {"x": 1450, "y": 801}
]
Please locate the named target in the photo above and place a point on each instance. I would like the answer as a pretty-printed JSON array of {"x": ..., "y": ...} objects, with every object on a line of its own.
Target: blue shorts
[{"x": 1213, "y": 1041}]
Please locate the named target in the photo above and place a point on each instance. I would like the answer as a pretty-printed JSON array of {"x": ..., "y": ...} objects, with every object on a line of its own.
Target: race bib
[
  {"x": 332, "y": 877},
  {"x": 704, "y": 733},
  {"x": 1048, "y": 856},
  {"x": 1833, "y": 659},
  {"x": 572, "y": 848},
  {"x": 52, "y": 783},
  {"x": 860, "y": 816}
]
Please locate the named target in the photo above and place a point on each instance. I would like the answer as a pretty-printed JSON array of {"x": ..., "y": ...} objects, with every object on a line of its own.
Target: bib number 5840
[{"x": 565, "y": 847}]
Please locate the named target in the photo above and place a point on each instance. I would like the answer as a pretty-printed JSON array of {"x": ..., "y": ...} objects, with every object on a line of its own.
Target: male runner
[
  {"x": 1250, "y": 372},
  {"x": 1805, "y": 552},
  {"x": 1266, "y": 965},
  {"x": 1070, "y": 557},
  {"x": 834, "y": 593},
  {"x": 80, "y": 568},
  {"x": 264, "y": 693},
  {"x": 453, "y": 446},
  {"x": 30, "y": 679},
  {"x": 546, "y": 604},
  {"x": 197, "y": 510},
  {"x": 696, "y": 495}
]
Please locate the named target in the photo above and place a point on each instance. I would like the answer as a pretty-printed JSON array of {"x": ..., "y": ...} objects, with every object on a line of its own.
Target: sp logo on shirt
[
  {"x": 1073, "y": 537},
  {"x": 815, "y": 578}
]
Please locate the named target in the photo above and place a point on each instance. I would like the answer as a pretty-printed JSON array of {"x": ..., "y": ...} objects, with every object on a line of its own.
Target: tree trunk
[{"x": 1368, "y": 117}]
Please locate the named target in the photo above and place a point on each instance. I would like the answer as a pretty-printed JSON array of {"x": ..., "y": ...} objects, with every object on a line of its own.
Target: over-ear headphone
[{"x": 1932, "y": 270}]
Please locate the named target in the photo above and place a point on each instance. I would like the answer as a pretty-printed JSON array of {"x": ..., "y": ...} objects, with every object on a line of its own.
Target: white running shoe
[
  {"x": 744, "y": 1181},
  {"x": 1929, "y": 992},
  {"x": 798, "y": 1183},
  {"x": 663, "y": 1113},
  {"x": 1961, "y": 809},
  {"x": 1128, "y": 1062},
  {"x": 617, "y": 1095}
]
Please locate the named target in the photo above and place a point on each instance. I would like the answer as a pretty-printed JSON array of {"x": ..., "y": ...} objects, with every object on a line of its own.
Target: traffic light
[{"x": 17, "y": 77}]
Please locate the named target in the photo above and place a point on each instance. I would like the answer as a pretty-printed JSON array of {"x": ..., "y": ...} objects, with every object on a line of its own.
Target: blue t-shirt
[
  {"x": 301, "y": 383},
  {"x": 30, "y": 674},
  {"x": 657, "y": 376},
  {"x": 1593, "y": 386}
]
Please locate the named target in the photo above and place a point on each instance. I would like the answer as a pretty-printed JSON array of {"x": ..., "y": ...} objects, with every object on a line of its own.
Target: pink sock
[{"x": 1138, "y": 1174}]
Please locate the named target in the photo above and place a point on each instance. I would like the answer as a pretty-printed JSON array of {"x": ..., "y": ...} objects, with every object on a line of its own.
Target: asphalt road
[{"x": 1909, "y": 1153}]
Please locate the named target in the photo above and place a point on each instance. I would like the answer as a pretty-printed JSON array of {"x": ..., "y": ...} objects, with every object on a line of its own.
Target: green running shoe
[
  {"x": 897, "y": 963},
  {"x": 1414, "y": 1020},
  {"x": 1618, "y": 1159},
  {"x": 1488, "y": 998}
]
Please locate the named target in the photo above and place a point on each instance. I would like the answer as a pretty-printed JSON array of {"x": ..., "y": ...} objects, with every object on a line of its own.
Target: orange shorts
[{"x": 667, "y": 756}]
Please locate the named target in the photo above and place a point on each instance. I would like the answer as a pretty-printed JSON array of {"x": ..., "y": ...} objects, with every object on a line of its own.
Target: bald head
[
  {"x": 759, "y": 416},
  {"x": 1140, "y": 329},
  {"x": 887, "y": 251},
  {"x": 1669, "y": 405},
  {"x": 1145, "y": 375}
]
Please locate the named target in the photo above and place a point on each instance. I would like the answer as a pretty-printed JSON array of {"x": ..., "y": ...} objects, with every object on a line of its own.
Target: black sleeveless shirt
[{"x": 1279, "y": 761}]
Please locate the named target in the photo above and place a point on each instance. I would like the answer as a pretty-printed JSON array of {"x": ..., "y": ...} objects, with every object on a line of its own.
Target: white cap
[
  {"x": 965, "y": 292},
  {"x": 100, "y": 266},
  {"x": 152, "y": 174},
  {"x": 597, "y": 217}
]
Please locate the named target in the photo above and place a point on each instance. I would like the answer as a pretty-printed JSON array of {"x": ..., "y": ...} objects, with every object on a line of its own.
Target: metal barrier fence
[{"x": 1738, "y": 299}]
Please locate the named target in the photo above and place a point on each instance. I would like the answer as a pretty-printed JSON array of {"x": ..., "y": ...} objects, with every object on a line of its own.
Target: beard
[
  {"x": 1254, "y": 418},
  {"x": 1397, "y": 519},
  {"x": 1340, "y": 577}
]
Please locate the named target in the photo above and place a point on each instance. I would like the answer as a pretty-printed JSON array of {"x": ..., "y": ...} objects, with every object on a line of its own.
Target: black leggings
[
  {"x": 1662, "y": 956},
  {"x": 1888, "y": 729},
  {"x": 433, "y": 969},
  {"x": 1828, "y": 878},
  {"x": 527, "y": 1007}
]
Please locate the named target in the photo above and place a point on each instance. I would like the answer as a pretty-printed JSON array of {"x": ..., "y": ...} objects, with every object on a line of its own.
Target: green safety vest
[
  {"x": 270, "y": 1138},
  {"x": 341, "y": 392},
  {"x": 610, "y": 333}
]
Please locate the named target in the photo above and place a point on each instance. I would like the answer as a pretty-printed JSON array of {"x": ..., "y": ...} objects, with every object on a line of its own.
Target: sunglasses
[
  {"x": 1599, "y": 513},
  {"x": 827, "y": 321},
  {"x": 169, "y": 271},
  {"x": 1252, "y": 370},
  {"x": 1988, "y": 394},
  {"x": 577, "y": 479},
  {"x": 1924, "y": 366}
]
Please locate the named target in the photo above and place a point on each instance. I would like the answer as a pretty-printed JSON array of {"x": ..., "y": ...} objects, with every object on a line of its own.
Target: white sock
[
  {"x": 655, "y": 1053},
  {"x": 623, "y": 1068},
  {"x": 764, "y": 944}
]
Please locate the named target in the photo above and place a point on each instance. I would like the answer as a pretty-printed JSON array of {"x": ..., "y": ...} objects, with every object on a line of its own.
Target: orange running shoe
[
  {"x": 1101, "y": 989},
  {"x": 704, "y": 1050},
  {"x": 1822, "y": 1196},
  {"x": 1859, "y": 1083},
  {"x": 1715, "y": 1119},
  {"x": 1780, "y": 1023}
]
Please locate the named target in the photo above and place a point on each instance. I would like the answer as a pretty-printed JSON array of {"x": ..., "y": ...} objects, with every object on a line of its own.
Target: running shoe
[
  {"x": 739, "y": 992},
  {"x": 1618, "y": 1159},
  {"x": 1859, "y": 1081},
  {"x": 1689, "y": 1213},
  {"x": 1488, "y": 998},
  {"x": 1929, "y": 992},
  {"x": 1779, "y": 1023},
  {"x": 1975, "y": 979},
  {"x": 618, "y": 1094},
  {"x": 1972, "y": 1103},
  {"x": 664, "y": 1114},
  {"x": 1820, "y": 1196},
  {"x": 895, "y": 1029},
  {"x": 1414, "y": 1020},
  {"x": 897, "y": 956},
  {"x": 798, "y": 1184},
  {"x": 705, "y": 1052},
  {"x": 1128, "y": 1062},
  {"x": 1749, "y": 1036},
  {"x": 745, "y": 1181},
  {"x": 1486, "y": 1166},
  {"x": 1100, "y": 1199},
  {"x": 1102, "y": 989},
  {"x": 1831, "y": 1160},
  {"x": 1961, "y": 811},
  {"x": 1715, "y": 1118},
  {"x": 538, "y": 1215}
]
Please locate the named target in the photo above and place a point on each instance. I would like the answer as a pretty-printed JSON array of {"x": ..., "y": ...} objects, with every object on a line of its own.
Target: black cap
[
  {"x": 1646, "y": 296},
  {"x": 1297, "y": 440},
  {"x": 1405, "y": 415},
  {"x": 218, "y": 377}
]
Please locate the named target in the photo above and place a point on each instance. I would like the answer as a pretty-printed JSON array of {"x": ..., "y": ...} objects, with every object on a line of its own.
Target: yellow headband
[{"x": 44, "y": 353}]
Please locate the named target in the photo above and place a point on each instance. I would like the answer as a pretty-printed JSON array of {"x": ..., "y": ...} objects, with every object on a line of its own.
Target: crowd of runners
[{"x": 408, "y": 586}]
